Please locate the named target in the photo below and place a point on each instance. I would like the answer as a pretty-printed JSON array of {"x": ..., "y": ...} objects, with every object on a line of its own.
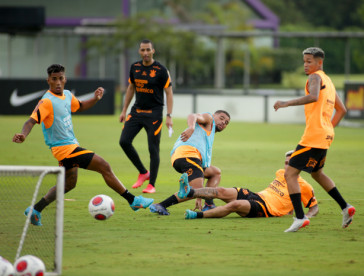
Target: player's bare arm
[
  {"x": 27, "y": 128},
  {"x": 204, "y": 119},
  {"x": 169, "y": 99},
  {"x": 340, "y": 111},
  {"x": 314, "y": 85},
  {"x": 99, "y": 92},
  {"x": 128, "y": 97}
]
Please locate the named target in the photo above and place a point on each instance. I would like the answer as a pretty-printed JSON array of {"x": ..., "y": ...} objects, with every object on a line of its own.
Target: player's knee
[
  {"x": 221, "y": 192},
  {"x": 69, "y": 185},
  {"x": 288, "y": 175},
  {"x": 124, "y": 143},
  {"x": 234, "y": 206},
  {"x": 105, "y": 167}
]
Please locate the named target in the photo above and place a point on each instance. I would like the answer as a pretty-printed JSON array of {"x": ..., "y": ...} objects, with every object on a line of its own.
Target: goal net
[{"x": 21, "y": 187}]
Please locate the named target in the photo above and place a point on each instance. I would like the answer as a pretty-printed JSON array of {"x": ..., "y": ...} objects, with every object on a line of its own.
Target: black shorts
[
  {"x": 308, "y": 159},
  {"x": 257, "y": 204},
  {"x": 79, "y": 158},
  {"x": 189, "y": 165}
]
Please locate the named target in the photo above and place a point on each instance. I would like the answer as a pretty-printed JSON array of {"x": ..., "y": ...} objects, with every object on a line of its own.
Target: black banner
[
  {"x": 354, "y": 100},
  {"x": 20, "y": 96}
]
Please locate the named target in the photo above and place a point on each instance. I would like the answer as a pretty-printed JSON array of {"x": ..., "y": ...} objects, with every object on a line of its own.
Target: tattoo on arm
[
  {"x": 314, "y": 84},
  {"x": 205, "y": 193}
]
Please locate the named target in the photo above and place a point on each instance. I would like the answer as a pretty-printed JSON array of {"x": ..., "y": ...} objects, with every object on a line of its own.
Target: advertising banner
[
  {"x": 354, "y": 100},
  {"x": 20, "y": 96}
]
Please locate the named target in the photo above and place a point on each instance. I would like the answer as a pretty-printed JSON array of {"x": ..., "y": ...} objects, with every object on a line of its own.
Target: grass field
[{"x": 142, "y": 243}]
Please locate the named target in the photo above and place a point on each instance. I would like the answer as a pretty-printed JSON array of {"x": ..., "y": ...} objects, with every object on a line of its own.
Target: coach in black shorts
[{"x": 148, "y": 79}]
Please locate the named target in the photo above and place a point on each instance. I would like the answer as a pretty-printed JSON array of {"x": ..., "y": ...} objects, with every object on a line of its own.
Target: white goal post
[{"x": 22, "y": 186}]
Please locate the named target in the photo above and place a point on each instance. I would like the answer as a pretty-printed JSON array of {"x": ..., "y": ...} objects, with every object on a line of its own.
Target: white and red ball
[
  {"x": 101, "y": 207},
  {"x": 6, "y": 267},
  {"x": 29, "y": 265}
]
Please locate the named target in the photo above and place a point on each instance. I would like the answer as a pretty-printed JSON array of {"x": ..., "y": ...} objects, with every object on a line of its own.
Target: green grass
[{"x": 137, "y": 243}]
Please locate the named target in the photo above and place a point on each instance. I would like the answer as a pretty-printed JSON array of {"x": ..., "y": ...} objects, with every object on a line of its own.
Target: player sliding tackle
[
  {"x": 274, "y": 201},
  {"x": 54, "y": 113}
]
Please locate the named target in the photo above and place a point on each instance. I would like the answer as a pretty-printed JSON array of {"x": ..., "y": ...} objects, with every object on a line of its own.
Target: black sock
[
  {"x": 334, "y": 193},
  {"x": 169, "y": 201},
  {"x": 41, "y": 205},
  {"x": 199, "y": 214},
  {"x": 209, "y": 201},
  {"x": 191, "y": 193},
  {"x": 128, "y": 196},
  {"x": 297, "y": 205}
]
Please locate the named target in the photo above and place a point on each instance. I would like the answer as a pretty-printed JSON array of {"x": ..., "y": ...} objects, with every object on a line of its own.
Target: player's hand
[
  {"x": 198, "y": 204},
  {"x": 19, "y": 138},
  {"x": 169, "y": 122},
  {"x": 279, "y": 104},
  {"x": 185, "y": 135},
  {"x": 99, "y": 92},
  {"x": 122, "y": 117}
]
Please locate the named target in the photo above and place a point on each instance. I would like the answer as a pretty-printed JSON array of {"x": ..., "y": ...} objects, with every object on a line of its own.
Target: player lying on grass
[
  {"x": 54, "y": 113},
  {"x": 273, "y": 201}
]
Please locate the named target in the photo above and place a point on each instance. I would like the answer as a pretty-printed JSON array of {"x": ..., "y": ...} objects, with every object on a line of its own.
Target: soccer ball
[
  {"x": 101, "y": 207},
  {"x": 6, "y": 268},
  {"x": 29, "y": 265}
]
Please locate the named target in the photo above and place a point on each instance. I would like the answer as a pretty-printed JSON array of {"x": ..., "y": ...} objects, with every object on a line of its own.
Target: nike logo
[
  {"x": 155, "y": 122},
  {"x": 16, "y": 100},
  {"x": 85, "y": 96}
]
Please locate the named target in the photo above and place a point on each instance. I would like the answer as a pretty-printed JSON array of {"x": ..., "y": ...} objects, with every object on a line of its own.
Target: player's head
[
  {"x": 313, "y": 59},
  {"x": 55, "y": 68},
  {"x": 222, "y": 119},
  {"x": 288, "y": 156},
  {"x": 56, "y": 78},
  {"x": 146, "y": 51},
  {"x": 316, "y": 52}
]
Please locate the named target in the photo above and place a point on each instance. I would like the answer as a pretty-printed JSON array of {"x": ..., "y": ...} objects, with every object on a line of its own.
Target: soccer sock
[
  {"x": 334, "y": 193},
  {"x": 199, "y": 214},
  {"x": 191, "y": 193},
  {"x": 41, "y": 205},
  {"x": 209, "y": 201},
  {"x": 128, "y": 196},
  {"x": 169, "y": 201},
  {"x": 297, "y": 205}
]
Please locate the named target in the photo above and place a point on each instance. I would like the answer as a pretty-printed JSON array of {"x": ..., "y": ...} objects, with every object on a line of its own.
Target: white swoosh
[
  {"x": 85, "y": 96},
  {"x": 16, "y": 100}
]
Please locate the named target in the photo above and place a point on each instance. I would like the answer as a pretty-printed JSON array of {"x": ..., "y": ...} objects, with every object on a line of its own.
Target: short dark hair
[
  {"x": 315, "y": 51},
  {"x": 146, "y": 41},
  {"x": 55, "y": 68},
  {"x": 222, "y": 111}
]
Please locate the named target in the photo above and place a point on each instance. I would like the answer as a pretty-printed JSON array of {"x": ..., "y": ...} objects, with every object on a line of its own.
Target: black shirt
[{"x": 149, "y": 82}]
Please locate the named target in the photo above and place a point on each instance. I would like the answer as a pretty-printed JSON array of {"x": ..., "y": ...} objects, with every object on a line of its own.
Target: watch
[{"x": 169, "y": 115}]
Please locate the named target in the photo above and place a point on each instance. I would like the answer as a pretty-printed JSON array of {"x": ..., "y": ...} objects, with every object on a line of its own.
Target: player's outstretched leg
[
  {"x": 184, "y": 187},
  {"x": 348, "y": 214},
  {"x": 141, "y": 202},
  {"x": 298, "y": 224},
  {"x": 35, "y": 218}
]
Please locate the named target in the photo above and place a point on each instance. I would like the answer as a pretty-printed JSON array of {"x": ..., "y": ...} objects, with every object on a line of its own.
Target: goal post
[{"x": 21, "y": 187}]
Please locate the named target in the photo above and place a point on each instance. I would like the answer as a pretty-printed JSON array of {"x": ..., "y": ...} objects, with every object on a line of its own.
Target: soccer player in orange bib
[
  {"x": 53, "y": 112},
  {"x": 320, "y": 101},
  {"x": 274, "y": 201}
]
